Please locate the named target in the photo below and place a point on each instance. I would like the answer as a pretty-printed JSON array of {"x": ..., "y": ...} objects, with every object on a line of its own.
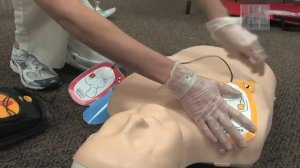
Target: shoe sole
[{"x": 17, "y": 70}]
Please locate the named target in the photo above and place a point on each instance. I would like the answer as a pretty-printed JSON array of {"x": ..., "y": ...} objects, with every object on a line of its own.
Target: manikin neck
[{"x": 190, "y": 148}]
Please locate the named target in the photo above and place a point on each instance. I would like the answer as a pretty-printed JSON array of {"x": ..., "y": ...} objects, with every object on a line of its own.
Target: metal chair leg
[{"x": 188, "y": 6}]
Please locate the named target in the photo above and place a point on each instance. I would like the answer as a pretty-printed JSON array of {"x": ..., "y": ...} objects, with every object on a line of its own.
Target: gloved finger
[
  {"x": 218, "y": 132},
  {"x": 231, "y": 130},
  {"x": 255, "y": 68},
  {"x": 228, "y": 91},
  {"x": 260, "y": 68},
  {"x": 206, "y": 132},
  {"x": 256, "y": 53},
  {"x": 256, "y": 56},
  {"x": 244, "y": 58},
  {"x": 241, "y": 119}
]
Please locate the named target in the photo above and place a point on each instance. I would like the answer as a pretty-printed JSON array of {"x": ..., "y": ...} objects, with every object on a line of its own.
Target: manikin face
[{"x": 137, "y": 137}]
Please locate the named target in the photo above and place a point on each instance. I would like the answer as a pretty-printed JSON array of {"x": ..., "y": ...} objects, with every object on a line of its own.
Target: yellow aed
[{"x": 246, "y": 105}]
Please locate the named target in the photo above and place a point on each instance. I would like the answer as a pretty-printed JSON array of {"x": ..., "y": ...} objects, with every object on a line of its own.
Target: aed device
[
  {"x": 246, "y": 105},
  {"x": 94, "y": 88},
  {"x": 22, "y": 116},
  {"x": 95, "y": 83}
]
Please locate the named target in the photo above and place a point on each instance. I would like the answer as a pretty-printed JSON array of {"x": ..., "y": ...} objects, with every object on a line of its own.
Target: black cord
[
  {"x": 212, "y": 56},
  {"x": 5, "y": 103}
]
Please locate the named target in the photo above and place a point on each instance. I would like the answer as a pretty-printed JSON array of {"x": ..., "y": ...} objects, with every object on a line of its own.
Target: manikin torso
[{"x": 148, "y": 127}]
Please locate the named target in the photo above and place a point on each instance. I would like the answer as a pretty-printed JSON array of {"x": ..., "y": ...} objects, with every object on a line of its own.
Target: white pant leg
[
  {"x": 39, "y": 35},
  {"x": 81, "y": 56}
]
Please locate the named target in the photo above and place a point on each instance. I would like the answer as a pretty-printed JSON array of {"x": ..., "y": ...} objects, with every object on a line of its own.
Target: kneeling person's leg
[{"x": 41, "y": 44}]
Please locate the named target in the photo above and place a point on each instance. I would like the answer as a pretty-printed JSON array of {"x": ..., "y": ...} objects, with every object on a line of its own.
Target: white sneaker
[
  {"x": 105, "y": 13},
  {"x": 33, "y": 73}
]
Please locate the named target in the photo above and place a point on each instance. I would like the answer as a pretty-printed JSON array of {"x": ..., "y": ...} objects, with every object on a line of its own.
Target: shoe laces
[
  {"x": 21, "y": 55},
  {"x": 36, "y": 63}
]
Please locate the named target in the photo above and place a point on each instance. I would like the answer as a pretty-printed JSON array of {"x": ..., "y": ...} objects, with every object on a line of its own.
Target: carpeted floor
[{"x": 163, "y": 26}]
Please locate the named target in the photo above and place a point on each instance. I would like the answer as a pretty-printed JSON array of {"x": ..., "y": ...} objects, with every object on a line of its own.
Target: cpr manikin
[{"x": 149, "y": 129}]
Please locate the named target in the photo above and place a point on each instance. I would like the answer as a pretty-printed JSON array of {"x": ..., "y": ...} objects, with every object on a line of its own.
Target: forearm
[
  {"x": 104, "y": 37},
  {"x": 213, "y": 8}
]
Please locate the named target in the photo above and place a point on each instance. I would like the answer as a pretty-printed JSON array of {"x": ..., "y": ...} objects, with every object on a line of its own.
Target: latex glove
[
  {"x": 228, "y": 32},
  {"x": 203, "y": 101}
]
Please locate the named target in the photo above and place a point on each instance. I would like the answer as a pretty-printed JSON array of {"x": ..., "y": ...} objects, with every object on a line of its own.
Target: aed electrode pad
[{"x": 246, "y": 105}]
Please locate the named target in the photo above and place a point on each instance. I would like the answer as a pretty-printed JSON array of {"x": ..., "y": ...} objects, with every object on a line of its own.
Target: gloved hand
[
  {"x": 203, "y": 102},
  {"x": 228, "y": 32}
]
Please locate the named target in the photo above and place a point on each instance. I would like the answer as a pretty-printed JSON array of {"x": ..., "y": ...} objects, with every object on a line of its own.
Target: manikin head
[
  {"x": 150, "y": 129},
  {"x": 137, "y": 136}
]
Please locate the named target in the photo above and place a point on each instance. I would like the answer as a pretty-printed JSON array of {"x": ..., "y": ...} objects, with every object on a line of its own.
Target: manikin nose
[{"x": 135, "y": 122}]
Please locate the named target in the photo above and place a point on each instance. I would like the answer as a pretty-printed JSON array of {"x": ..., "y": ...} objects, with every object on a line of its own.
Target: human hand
[
  {"x": 203, "y": 101},
  {"x": 233, "y": 37}
]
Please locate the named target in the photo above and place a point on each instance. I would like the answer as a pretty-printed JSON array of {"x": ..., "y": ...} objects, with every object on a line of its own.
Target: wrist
[
  {"x": 213, "y": 8},
  {"x": 181, "y": 80},
  {"x": 161, "y": 71},
  {"x": 221, "y": 22}
]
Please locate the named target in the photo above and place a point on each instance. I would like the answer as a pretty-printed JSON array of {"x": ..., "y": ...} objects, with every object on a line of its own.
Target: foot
[{"x": 33, "y": 73}]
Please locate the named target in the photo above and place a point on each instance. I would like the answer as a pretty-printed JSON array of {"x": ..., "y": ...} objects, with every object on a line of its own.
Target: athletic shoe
[{"x": 33, "y": 73}]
